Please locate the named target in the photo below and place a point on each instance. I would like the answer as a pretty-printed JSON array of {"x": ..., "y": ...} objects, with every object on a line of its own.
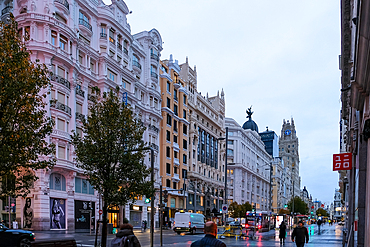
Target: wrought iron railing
[
  {"x": 6, "y": 10},
  {"x": 63, "y": 2},
  {"x": 60, "y": 80},
  {"x": 154, "y": 75},
  {"x": 80, "y": 116},
  {"x": 80, "y": 92},
  {"x": 85, "y": 23},
  {"x": 60, "y": 106},
  {"x": 103, "y": 35},
  {"x": 136, "y": 64},
  {"x": 154, "y": 56}
]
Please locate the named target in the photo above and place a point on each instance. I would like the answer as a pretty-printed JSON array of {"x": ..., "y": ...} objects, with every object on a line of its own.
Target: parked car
[
  {"x": 341, "y": 223},
  {"x": 15, "y": 237}
]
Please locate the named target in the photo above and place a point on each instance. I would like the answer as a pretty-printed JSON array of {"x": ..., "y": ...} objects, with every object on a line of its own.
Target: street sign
[
  {"x": 224, "y": 208},
  {"x": 100, "y": 212},
  {"x": 342, "y": 161}
]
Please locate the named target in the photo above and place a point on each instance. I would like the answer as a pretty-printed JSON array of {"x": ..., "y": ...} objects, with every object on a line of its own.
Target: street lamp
[{"x": 226, "y": 140}]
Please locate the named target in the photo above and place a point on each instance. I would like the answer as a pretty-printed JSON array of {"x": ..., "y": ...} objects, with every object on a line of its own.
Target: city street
[{"x": 330, "y": 236}]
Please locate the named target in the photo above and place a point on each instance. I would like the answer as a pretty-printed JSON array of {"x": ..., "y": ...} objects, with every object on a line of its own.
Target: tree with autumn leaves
[
  {"x": 24, "y": 125},
  {"x": 111, "y": 152}
]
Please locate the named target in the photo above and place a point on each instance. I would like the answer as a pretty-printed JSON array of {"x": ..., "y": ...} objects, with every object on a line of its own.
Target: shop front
[
  {"x": 136, "y": 215},
  {"x": 84, "y": 216}
]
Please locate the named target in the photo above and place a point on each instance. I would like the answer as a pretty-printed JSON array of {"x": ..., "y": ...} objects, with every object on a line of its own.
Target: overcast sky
[{"x": 279, "y": 56}]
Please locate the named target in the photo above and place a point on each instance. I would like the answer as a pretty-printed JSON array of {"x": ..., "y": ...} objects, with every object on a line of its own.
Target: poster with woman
[
  {"x": 27, "y": 214},
  {"x": 57, "y": 213}
]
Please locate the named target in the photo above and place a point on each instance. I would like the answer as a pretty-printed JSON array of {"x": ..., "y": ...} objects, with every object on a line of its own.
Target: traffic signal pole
[{"x": 160, "y": 214}]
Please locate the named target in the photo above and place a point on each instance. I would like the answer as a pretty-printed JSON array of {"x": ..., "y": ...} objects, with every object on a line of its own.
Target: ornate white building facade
[
  {"x": 249, "y": 165},
  {"x": 86, "y": 44}
]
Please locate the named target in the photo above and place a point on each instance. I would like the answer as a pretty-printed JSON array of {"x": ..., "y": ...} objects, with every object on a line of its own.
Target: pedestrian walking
[
  {"x": 125, "y": 237},
  {"x": 319, "y": 222},
  {"x": 300, "y": 235},
  {"x": 282, "y": 232},
  {"x": 209, "y": 240}
]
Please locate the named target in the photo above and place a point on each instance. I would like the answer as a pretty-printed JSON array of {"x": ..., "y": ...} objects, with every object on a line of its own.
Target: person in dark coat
[
  {"x": 282, "y": 232},
  {"x": 300, "y": 235},
  {"x": 126, "y": 230},
  {"x": 209, "y": 240}
]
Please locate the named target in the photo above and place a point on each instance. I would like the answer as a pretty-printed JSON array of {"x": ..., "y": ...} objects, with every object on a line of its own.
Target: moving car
[
  {"x": 15, "y": 237},
  {"x": 188, "y": 222}
]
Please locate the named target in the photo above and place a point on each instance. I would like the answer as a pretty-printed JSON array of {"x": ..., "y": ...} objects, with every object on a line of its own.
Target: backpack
[{"x": 122, "y": 242}]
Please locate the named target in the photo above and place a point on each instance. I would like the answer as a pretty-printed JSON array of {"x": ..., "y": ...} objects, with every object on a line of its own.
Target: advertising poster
[
  {"x": 28, "y": 213},
  {"x": 57, "y": 213},
  {"x": 279, "y": 219},
  {"x": 82, "y": 214}
]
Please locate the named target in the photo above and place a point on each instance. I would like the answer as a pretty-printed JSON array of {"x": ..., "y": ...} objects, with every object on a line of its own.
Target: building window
[
  {"x": 112, "y": 75},
  {"x": 185, "y": 144},
  {"x": 168, "y": 152},
  {"x": 174, "y": 186},
  {"x": 61, "y": 152},
  {"x": 57, "y": 182},
  {"x": 175, "y": 94},
  {"x": 53, "y": 38},
  {"x": 79, "y": 131},
  {"x": 168, "y": 135},
  {"x": 83, "y": 186},
  {"x": 63, "y": 42},
  {"x": 174, "y": 125},
  {"x": 168, "y": 183},
  {"x": 174, "y": 138},
  {"x": 168, "y": 168},
  {"x": 175, "y": 110},
  {"x": 61, "y": 124},
  {"x": 184, "y": 159},
  {"x": 184, "y": 99},
  {"x": 230, "y": 142},
  {"x": 184, "y": 129},
  {"x": 184, "y": 114},
  {"x": 169, "y": 119},
  {"x": 173, "y": 202},
  {"x": 169, "y": 103},
  {"x": 175, "y": 170},
  {"x": 230, "y": 152},
  {"x": 168, "y": 87}
]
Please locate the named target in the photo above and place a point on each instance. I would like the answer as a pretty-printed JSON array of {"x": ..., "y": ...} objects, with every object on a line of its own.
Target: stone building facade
[
  {"x": 288, "y": 151},
  {"x": 249, "y": 166},
  {"x": 205, "y": 176},
  {"x": 86, "y": 44},
  {"x": 174, "y": 137}
]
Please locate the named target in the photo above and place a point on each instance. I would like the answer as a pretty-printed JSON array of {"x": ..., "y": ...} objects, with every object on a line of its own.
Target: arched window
[{"x": 57, "y": 182}]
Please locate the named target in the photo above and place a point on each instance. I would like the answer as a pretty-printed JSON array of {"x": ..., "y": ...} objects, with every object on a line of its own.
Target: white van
[{"x": 188, "y": 222}]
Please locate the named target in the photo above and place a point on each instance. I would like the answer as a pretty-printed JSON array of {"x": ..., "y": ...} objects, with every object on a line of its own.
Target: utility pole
[
  {"x": 160, "y": 214},
  {"x": 152, "y": 199}
]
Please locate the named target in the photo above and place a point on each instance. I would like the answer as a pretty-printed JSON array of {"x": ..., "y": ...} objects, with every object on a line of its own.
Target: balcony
[
  {"x": 63, "y": 2},
  {"x": 154, "y": 57},
  {"x": 60, "y": 80},
  {"x": 103, "y": 35},
  {"x": 85, "y": 24},
  {"x": 153, "y": 128},
  {"x": 80, "y": 116},
  {"x": 176, "y": 161},
  {"x": 61, "y": 134},
  {"x": 60, "y": 106},
  {"x": 125, "y": 50},
  {"x": 154, "y": 75},
  {"x": 6, "y": 10},
  {"x": 176, "y": 146},
  {"x": 80, "y": 92},
  {"x": 119, "y": 46},
  {"x": 154, "y": 146},
  {"x": 176, "y": 177},
  {"x": 136, "y": 64},
  {"x": 91, "y": 97}
]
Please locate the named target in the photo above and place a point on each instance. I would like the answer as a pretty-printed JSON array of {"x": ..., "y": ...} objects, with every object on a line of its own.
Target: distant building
[
  {"x": 248, "y": 165},
  {"x": 337, "y": 205},
  {"x": 271, "y": 141},
  {"x": 288, "y": 151}
]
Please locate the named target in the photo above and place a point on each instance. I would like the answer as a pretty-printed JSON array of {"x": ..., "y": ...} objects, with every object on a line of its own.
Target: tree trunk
[{"x": 104, "y": 230}]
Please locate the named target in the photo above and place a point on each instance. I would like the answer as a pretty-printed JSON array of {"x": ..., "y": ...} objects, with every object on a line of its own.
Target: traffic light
[
  {"x": 147, "y": 200},
  {"x": 165, "y": 196},
  {"x": 285, "y": 206},
  {"x": 254, "y": 209}
]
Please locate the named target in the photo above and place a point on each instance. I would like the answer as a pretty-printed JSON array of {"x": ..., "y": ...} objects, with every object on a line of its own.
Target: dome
[{"x": 250, "y": 124}]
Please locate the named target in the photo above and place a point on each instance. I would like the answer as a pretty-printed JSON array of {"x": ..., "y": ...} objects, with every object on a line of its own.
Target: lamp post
[{"x": 226, "y": 140}]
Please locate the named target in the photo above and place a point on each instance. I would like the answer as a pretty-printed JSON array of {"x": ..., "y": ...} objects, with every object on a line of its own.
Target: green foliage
[
  {"x": 299, "y": 206},
  {"x": 321, "y": 212},
  {"x": 111, "y": 152},
  {"x": 239, "y": 211},
  {"x": 23, "y": 122}
]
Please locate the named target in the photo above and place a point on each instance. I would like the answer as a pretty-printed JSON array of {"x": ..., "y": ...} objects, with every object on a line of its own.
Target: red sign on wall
[{"x": 342, "y": 161}]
